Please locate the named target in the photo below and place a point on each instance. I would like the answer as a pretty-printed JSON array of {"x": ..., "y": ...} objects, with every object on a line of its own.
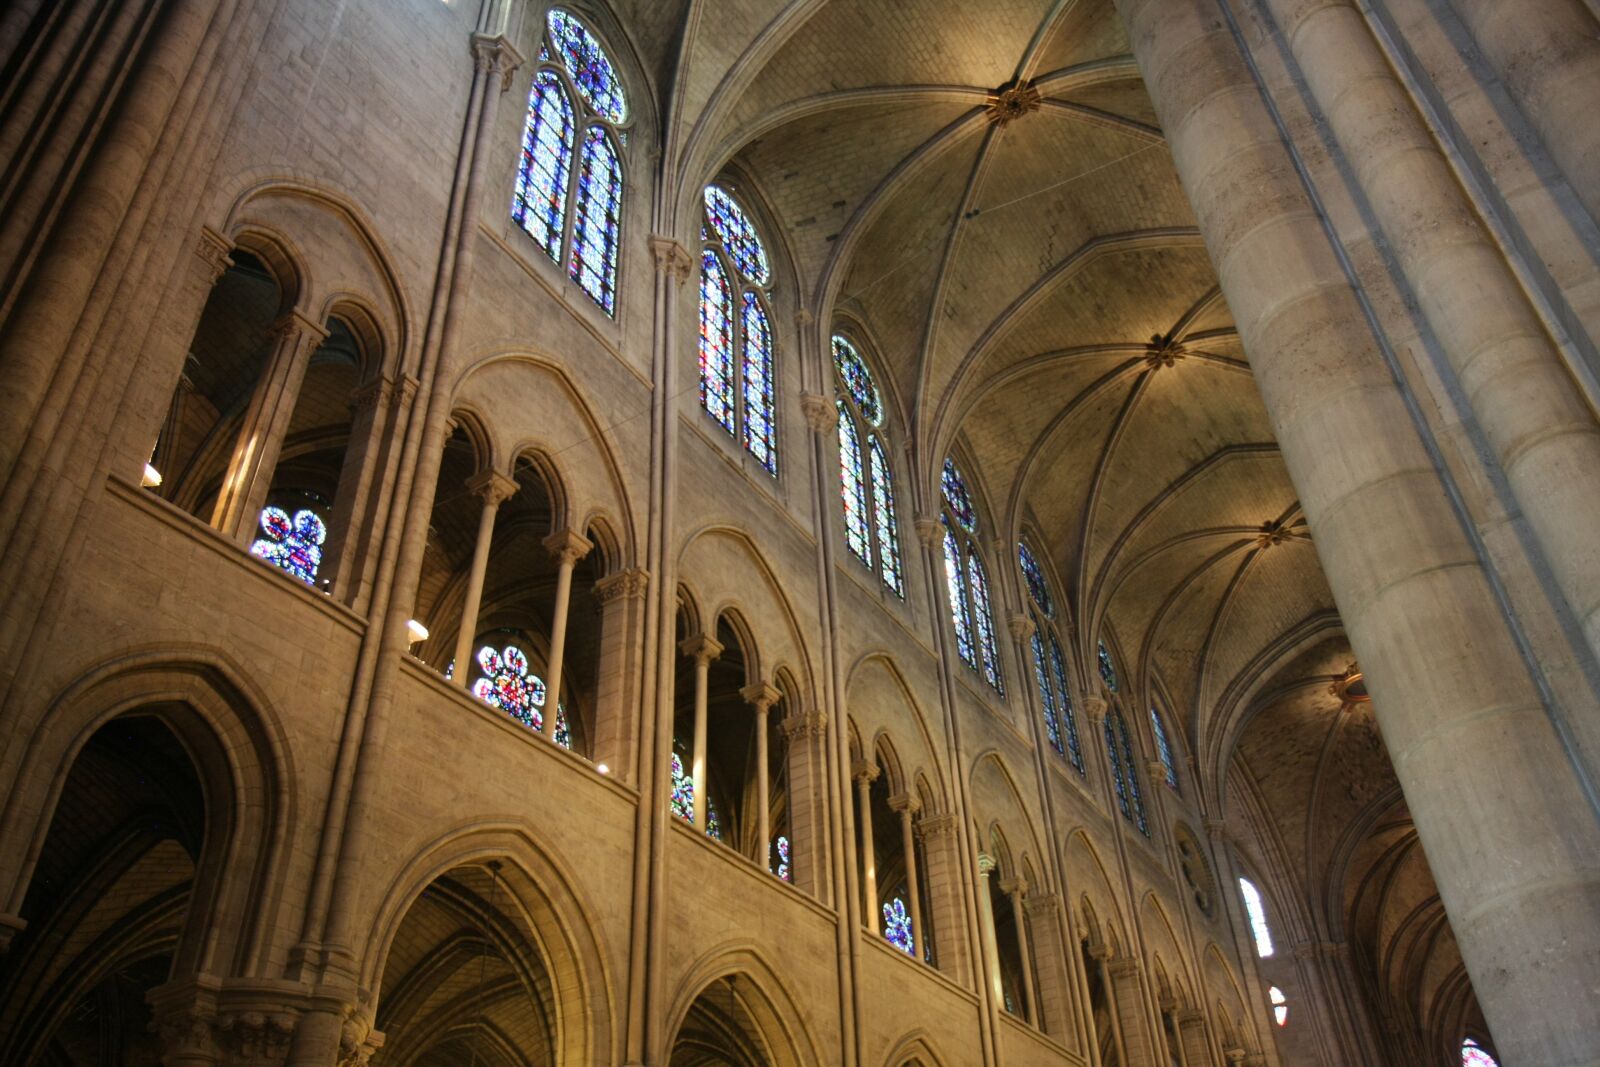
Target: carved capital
[
  {"x": 672, "y": 259},
  {"x": 820, "y": 413},
  {"x": 1156, "y": 769},
  {"x": 215, "y": 251},
  {"x": 1095, "y": 708},
  {"x": 909, "y": 803},
  {"x": 1187, "y": 1018},
  {"x": 1217, "y": 830},
  {"x": 929, "y": 531},
  {"x": 701, "y": 648},
  {"x": 986, "y": 865},
  {"x": 257, "y": 1037},
  {"x": 1123, "y": 968},
  {"x": 493, "y": 54},
  {"x": 295, "y": 328},
  {"x": 1021, "y": 625},
  {"x": 864, "y": 771},
  {"x": 185, "y": 1019},
  {"x": 1017, "y": 886},
  {"x": 1042, "y": 906},
  {"x": 624, "y": 585},
  {"x": 803, "y": 317},
  {"x": 936, "y": 826},
  {"x": 567, "y": 546},
  {"x": 761, "y": 695},
  {"x": 375, "y": 394},
  {"x": 803, "y": 725},
  {"x": 492, "y": 487}
]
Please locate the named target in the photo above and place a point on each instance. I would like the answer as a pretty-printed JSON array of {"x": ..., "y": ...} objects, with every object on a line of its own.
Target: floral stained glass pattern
[
  {"x": 1068, "y": 718},
  {"x": 293, "y": 545},
  {"x": 1047, "y": 700},
  {"x": 857, "y": 380},
  {"x": 540, "y": 203},
  {"x": 716, "y": 341},
  {"x": 1164, "y": 748},
  {"x": 507, "y": 685},
  {"x": 956, "y": 498},
  {"x": 1475, "y": 1055},
  {"x": 738, "y": 235},
  {"x": 781, "y": 868},
  {"x": 588, "y": 64},
  {"x": 897, "y": 926},
  {"x": 1038, "y": 588},
  {"x": 979, "y": 580},
  {"x": 760, "y": 429},
  {"x": 682, "y": 790},
  {"x": 955, "y": 585},
  {"x": 1108, "y": 670},
  {"x": 883, "y": 513},
  {"x": 853, "y": 487},
  {"x": 593, "y": 264}
]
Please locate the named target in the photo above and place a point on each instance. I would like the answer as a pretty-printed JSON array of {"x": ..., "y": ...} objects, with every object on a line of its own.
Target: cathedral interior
[{"x": 799, "y": 533}]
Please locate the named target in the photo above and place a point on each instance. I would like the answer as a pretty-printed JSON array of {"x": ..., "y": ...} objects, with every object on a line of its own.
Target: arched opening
[
  {"x": 723, "y": 1028},
  {"x": 1094, "y": 952},
  {"x": 107, "y": 908}
]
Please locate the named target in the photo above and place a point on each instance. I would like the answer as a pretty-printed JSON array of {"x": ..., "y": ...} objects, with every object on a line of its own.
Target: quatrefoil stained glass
[{"x": 294, "y": 545}]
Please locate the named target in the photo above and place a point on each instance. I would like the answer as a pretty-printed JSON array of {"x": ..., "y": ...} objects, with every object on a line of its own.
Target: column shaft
[
  {"x": 865, "y": 773},
  {"x": 616, "y": 703},
  {"x": 1025, "y": 954},
  {"x": 763, "y": 795},
  {"x": 1192, "y": 1033},
  {"x": 702, "y": 797},
  {"x": 908, "y": 844},
  {"x": 1449, "y": 683},
  {"x": 567, "y": 547},
  {"x": 991, "y": 942},
  {"x": 493, "y": 488},
  {"x": 1128, "y": 1006}
]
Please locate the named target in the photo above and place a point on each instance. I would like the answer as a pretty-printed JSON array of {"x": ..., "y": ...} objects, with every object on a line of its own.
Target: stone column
[
  {"x": 368, "y": 427},
  {"x": 1053, "y": 991},
  {"x": 806, "y": 734},
  {"x": 865, "y": 773},
  {"x": 990, "y": 946},
  {"x": 494, "y": 489},
  {"x": 1547, "y": 53},
  {"x": 616, "y": 702},
  {"x": 1122, "y": 976},
  {"x": 266, "y": 421},
  {"x": 703, "y": 649},
  {"x": 567, "y": 547},
  {"x": 762, "y": 696},
  {"x": 1447, "y": 677},
  {"x": 1017, "y": 889},
  {"x": 1192, "y": 1033},
  {"x": 906, "y": 805},
  {"x": 941, "y": 849}
]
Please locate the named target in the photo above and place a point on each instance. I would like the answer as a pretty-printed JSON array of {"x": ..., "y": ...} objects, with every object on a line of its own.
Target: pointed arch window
[
  {"x": 1257, "y": 911},
  {"x": 967, "y": 581},
  {"x": 737, "y": 384},
  {"x": 865, "y": 482},
  {"x": 1169, "y": 765},
  {"x": 1124, "y": 770},
  {"x": 568, "y": 194},
  {"x": 1108, "y": 669},
  {"x": 1049, "y": 665}
]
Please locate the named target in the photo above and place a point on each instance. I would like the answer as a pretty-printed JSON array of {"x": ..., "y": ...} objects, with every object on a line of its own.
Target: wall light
[
  {"x": 602, "y": 768},
  {"x": 417, "y": 631},
  {"x": 152, "y": 477}
]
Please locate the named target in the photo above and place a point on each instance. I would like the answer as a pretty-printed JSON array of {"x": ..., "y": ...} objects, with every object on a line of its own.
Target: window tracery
[
  {"x": 577, "y": 107},
  {"x": 508, "y": 684},
  {"x": 1049, "y": 664},
  {"x": 865, "y": 482},
  {"x": 293, "y": 545},
  {"x": 1124, "y": 770},
  {"x": 739, "y": 394},
  {"x": 967, "y": 582}
]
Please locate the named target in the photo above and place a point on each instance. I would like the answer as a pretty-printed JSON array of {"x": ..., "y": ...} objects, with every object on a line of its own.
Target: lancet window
[
  {"x": 1257, "y": 911},
  {"x": 865, "y": 481},
  {"x": 568, "y": 194},
  {"x": 1124, "y": 770},
  {"x": 737, "y": 385},
  {"x": 1169, "y": 765},
  {"x": 967, "y": 582},
  {"x": 1049, "y": 665}
]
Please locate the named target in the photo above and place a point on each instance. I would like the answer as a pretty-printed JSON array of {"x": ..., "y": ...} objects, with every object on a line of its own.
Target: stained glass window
[
  {"x": 1280, "y": 1006},
  {"x": 897, "y": 926},
  {"x": 507, "y": 685},
  {"x": 563, "y": 732},
  {"x": 1047, "y": 699},
  {"x": 883, "y": 512},
  {"x": 1117, "y": 780},
  {"x": 682, "y": 790},
  {"x": 294, "y": 545},
  {"x": 553, "y": 198},
  {"x": 956, "y": 498},
  {"x": 1258, "y": 917},
  {"x": 713, "y": 823},
  {"x": 1164, "y": 747},
  {"x": 853, "y": 487},
  {"x": 540, "y": 203},
  {"x": 733, "y": 318},
  {"x": 716, "y": 341},
  {"x": 1068, "y": 718},
  {"x": 1038, "y": 588},
  {"x": 738, "y": 235},
  {"x": 1475, "y": 1055},
  {"x": 857, "y": 380},
  {"x": 1108, "y": 671},
  {"x": 782, "y": 868},
  {"x": 979, "y": 580},
  {"x": 594, "y": 231},
  {"x": 1131, "y": 769},
  {"x": 760, "y": 429},
  {"x": 955, "y": 585}
]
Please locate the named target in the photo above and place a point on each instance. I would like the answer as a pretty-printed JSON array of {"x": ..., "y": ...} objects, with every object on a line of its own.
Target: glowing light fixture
[
  {"x": 151, "y": 478},
  {"x": 602, "y": 768},
  {"x": 417, "y": 631}
]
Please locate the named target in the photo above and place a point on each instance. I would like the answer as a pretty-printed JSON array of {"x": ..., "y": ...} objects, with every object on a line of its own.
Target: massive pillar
[
  {"x": 621, "y": 598},
  {"x": 1515, "y": 844},
  {"x": 806, "y": 733},
  {"x": 941, "y": 846}
]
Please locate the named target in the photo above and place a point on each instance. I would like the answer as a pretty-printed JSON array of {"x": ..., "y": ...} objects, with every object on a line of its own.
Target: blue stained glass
[
  {"x": 1135, "y": 796},
  {"x": 540, "y": 203},
  {"x": 955, "y": 585},
  {"x": 1068, "y": 719},
  {"x": 738, "y": 234},
  {"x": 783, "y": 869},
  {"x": 1052, "y": 726},
  {"x": 588, "y": 64},
  {"x": 852, "y": 485},
  {"x": 956, "y": 498},
  {"x": 682, "y": 790},
  {"x": 857, "y": 380},
  {"x": 1117, "y": 778},
  {"x": 293, "y": 545},
  {"x": 760, "y": 410},
  {"x": 883, "y": 512},
  {"x": 507, "y": 685},
  {"x": 1038, "y": 588},
  {"x": 1108, "y": 670},
  {"x": 979, "y": 581},
  {"x": 594, "y": 232},
  {"x": 716, "y": 341},
  {"x": 897, "y": 927},
  {"x": 1164, "y": 748}
]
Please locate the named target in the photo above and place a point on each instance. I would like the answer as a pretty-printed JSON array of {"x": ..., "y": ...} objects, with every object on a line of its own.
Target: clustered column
[
  {"x": 703, "y": 649},
  {"x": 806, "y": 735},
  {"x": 1123, "y": 976},
  {"x": 940, "y": 850},
  {"x": 621, "y": 599},
  {"x": 494, "y": 489}
]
